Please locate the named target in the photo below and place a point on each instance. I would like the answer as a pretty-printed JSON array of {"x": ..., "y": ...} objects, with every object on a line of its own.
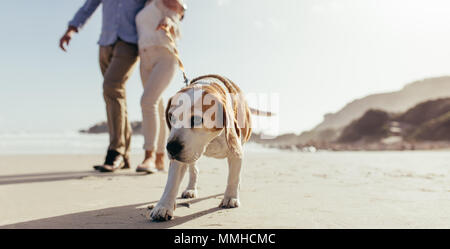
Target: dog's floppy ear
[
  {"x": 167, "y": 114},
  {"x": 232, "y": 133}
]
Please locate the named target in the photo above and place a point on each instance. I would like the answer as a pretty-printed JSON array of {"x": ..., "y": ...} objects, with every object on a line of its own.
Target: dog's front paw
[
  {"x": 229, "y": 202},
  {"x": 161, "y": 213},
  {"x": 189, "y": 193}
]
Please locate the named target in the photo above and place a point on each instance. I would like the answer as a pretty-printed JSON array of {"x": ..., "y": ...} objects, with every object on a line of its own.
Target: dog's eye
[{"x": 196, "y": 121}]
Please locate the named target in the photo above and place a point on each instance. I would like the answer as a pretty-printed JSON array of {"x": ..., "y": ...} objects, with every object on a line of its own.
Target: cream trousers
[{"x": 158, "y": 67}]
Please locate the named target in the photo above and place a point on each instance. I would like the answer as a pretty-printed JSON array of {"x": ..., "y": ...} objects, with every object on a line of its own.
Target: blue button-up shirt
[{"x": 118, "y": 19}]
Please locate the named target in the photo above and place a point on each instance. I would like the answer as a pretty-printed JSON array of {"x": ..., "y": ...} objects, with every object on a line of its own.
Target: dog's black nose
[{"x": 174, "y": 148}]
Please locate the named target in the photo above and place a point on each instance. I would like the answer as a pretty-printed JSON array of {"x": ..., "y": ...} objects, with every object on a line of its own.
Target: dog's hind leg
[
  {"x": 231, "y": 196},
  {"x": 165, "y": 207},
  {"x": 191, "y": 190}
]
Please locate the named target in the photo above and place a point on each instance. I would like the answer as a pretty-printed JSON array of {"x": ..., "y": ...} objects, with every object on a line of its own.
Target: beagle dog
[{"x": 209, "y": 117}]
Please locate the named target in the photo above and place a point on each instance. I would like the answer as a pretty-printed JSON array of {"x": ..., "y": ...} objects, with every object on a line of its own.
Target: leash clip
[{"x": 186, "y": 80}]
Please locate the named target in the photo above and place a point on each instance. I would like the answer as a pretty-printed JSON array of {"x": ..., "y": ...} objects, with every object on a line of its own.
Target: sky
[{"x": 314, "y": 56}]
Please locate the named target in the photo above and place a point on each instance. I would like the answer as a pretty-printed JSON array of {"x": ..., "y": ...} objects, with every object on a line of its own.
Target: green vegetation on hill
[
  {"x": 437, "y": 129},
  {"x": 372, "y": 126},
  {"x": 427, "y": 121}
]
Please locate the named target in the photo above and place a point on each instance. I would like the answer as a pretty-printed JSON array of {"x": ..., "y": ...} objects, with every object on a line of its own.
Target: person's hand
[
  {"x": 65, "y": 39},
  {"x": 163, "y": 24},
  {"x": 167, "y": 24},
  {"x": 174, "y": 5}
]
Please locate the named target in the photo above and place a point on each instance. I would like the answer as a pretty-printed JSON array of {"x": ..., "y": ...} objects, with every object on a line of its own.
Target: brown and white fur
[{"x": 220, "y": 138}]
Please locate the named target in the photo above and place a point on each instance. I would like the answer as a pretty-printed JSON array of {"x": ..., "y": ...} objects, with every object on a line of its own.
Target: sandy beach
[{"x": 279, "y": 190}]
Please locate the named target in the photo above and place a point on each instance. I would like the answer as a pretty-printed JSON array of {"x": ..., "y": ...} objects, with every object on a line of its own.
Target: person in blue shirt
[{"x": 118, "y": 56}]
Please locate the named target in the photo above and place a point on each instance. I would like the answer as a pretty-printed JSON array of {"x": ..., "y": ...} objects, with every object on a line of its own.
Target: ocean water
[{"x": 24, "y": 143}]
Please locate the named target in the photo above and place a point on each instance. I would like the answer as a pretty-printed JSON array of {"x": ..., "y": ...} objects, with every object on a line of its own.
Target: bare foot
[
  {"x": 160, "y": 162},
  {"x": 148, "y": 165}
]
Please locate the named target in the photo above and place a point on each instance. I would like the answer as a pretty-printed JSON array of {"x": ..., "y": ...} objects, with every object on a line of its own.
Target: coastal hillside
[
  {"x": 399, "y": 101},
  {"x": 424, "y": 126},
  {"x": 427, "y": 121},
  {"x": 332, "y": 126}
]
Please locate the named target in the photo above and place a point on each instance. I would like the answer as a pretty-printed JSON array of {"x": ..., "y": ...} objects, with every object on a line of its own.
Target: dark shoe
[
  {"x": 126, "y": 165},
  {"x": 113, "y": 161},
  {"x": 127, "y": 162}
]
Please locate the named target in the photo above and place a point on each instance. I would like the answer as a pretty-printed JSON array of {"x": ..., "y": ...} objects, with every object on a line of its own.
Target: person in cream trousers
[{"x": 158, "y": 66}]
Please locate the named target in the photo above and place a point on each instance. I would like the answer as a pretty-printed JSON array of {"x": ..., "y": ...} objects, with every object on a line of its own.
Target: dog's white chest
[{"x": 218, "y": 147}]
